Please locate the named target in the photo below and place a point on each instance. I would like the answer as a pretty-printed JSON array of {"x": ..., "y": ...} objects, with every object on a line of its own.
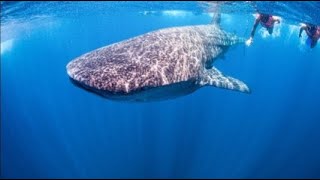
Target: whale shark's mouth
[{"x": 102, "y": 93}]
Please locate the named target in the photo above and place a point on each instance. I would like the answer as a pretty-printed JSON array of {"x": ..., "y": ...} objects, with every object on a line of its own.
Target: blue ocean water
[{"x": 52, "y": 129}]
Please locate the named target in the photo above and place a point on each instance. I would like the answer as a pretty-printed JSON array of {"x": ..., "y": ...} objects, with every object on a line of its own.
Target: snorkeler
[
  {"x": 313, "y": 33},
  {"x": 266, "y": 21}
]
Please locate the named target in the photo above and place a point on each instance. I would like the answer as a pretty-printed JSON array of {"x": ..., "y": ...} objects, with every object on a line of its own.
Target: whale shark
[{"x": 158, "y": 65}]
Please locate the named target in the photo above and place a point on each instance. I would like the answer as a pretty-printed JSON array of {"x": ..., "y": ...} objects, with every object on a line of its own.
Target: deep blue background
[{"x": 52, "y": 129}]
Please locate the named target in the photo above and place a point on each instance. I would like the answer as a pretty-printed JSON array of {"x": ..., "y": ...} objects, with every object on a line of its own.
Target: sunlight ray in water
[{"x": 6, "y": 46}]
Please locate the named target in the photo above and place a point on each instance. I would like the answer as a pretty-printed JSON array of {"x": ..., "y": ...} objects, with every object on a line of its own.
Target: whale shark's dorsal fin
[
  {"x": 216, "y": 19},
  {"x": 214, "y": 77}
]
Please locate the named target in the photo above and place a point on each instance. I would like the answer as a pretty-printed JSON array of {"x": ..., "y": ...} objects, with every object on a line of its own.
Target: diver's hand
[{"x": 249, "y": 41}]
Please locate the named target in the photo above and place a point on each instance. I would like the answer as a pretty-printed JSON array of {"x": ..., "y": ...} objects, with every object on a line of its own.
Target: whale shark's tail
[{"x": 214, "y": 77}]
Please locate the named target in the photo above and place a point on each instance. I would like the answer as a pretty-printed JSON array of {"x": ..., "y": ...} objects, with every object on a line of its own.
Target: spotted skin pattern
[{"x": 157, "y": 59}]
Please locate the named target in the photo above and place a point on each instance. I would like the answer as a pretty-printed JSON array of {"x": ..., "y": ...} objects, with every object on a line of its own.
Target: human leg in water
[
  {"x": 310, "y": 42},
  {"x": 270, "y": 30}
]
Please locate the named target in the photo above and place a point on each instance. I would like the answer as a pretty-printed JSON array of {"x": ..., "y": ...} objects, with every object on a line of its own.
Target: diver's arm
[
  {"x": 304, "y": 28},
  {"x": 276, "y": 19},
  {"x": 256, "y": 23},
  {"x": 301, "y": 29},
  {"x": 309, "y": 34}
]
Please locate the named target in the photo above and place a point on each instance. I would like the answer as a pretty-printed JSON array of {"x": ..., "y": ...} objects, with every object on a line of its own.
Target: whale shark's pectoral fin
[{"x": 215, "y": 78}]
